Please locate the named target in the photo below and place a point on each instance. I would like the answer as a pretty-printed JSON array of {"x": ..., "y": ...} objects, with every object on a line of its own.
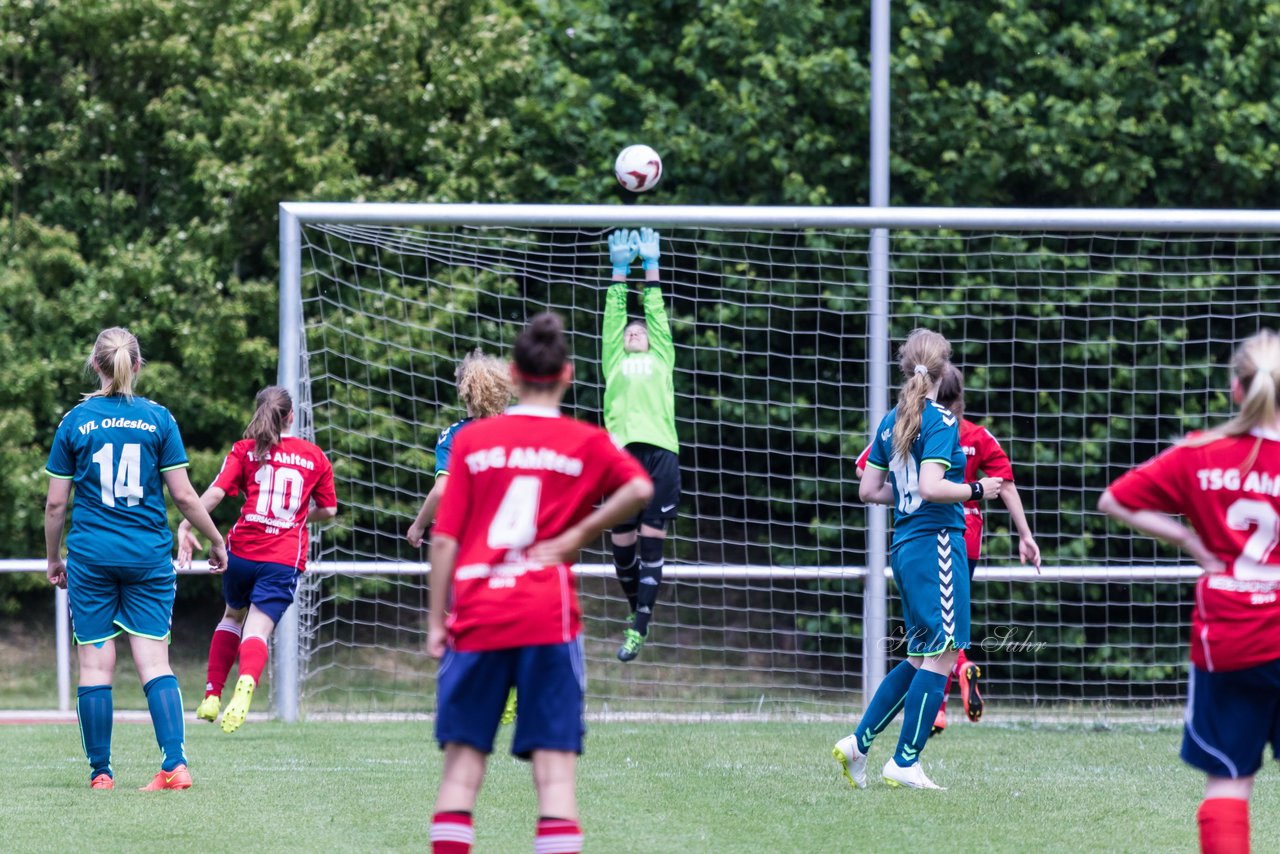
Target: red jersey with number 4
[
  {"x": 277, "y": 499},
  {"x": 1233, "y": 503},
  {"x": 983, "y": 456},
  {"x": 518, "y": 479}
]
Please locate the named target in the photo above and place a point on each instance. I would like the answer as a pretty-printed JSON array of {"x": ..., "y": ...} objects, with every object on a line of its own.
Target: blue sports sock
[
  {"x": 93, "y": 708},
  {"x": 164, "y": 700},
  {"x": 921, "y": 707},
  {"x": 884, "y": 704}
]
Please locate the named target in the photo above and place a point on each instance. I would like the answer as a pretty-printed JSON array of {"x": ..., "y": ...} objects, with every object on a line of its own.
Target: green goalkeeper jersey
[{"x": 639, "y": 388}]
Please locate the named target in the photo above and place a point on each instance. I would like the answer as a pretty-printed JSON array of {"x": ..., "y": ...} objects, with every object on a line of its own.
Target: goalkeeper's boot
[
  {"x": 969, "y": 693},
  {"x": 238, "y": 708},
  {"x": 509, "y": 711},
  {"x": 632, "y": 641},
  {"x": 939, "y": 721},
  {"x": 102, "y": 781},
  {"x": 853, "y": 762},
  {"x": 911, "y": 777},
  {"x": 209, "y": 708},
  {"x": 178, "y": 778}
]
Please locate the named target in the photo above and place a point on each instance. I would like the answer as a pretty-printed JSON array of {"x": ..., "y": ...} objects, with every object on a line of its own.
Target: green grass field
[{"x": 657, "y": 787}]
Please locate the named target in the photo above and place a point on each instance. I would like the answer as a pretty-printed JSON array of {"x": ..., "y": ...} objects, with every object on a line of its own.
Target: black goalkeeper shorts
[{"x": 663, "y": 467}]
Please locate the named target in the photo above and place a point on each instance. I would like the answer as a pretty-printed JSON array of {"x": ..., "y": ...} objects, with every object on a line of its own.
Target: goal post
[{"x": 1089, "y": 338}]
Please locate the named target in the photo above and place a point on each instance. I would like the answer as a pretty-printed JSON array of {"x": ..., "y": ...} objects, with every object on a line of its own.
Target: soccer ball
[{"x": 638, "y": 168}]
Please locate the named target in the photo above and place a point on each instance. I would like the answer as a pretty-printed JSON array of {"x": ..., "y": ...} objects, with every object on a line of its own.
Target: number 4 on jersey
[{"x": 515, "y": 523}]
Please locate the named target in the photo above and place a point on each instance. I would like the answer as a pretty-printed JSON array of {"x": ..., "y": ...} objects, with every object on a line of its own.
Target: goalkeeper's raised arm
[{"x": 638, "y": 359}]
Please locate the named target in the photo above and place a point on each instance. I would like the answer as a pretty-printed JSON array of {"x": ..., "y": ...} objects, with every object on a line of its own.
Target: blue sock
[
  {"x": 164, "y": 700},
  {"x": 921, "y": 707},
  {"x": 884, "y": 704},
  {"x": 93, "y": 708}
]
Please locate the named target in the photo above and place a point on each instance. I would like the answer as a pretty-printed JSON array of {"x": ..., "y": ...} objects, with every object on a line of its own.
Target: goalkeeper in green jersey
[{"x": 639, "y": 361}]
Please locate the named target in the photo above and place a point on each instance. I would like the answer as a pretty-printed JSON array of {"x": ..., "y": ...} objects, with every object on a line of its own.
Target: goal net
[{"x": 1085, "y": 347}]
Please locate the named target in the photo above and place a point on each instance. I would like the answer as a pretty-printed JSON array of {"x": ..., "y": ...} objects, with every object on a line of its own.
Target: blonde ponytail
[
  {"x": 922, "y": 357},
  {"x": 1256, "y": 368},
  {"x": 116, "y": 359}
]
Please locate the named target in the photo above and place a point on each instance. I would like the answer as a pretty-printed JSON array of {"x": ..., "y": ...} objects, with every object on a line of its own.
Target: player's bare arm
[
  {"x": 1163, "y": 527},
  {"x": 444, "y": 554}
]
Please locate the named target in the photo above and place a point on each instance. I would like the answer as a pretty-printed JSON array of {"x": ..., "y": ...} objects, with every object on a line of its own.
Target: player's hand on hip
[
  {"x": 437, "y": 640},
  {"x": 1206, "y": 559},
  {"x": 991, "y": 487},
  {"x": 57, "y": 573},
  {"x": 217, "y": 559},
  {"x": 648, "y": 244},
  {"x": 622, "y": 251},
  {"x": 555, "y": 551}
]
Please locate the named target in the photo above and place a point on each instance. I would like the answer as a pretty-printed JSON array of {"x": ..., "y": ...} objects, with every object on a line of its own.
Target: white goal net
[{"x": 1086, "y": 348}]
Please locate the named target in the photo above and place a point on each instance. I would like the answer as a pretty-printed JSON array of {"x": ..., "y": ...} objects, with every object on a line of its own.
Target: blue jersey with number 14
[
  {"x": 939, "y": 442},
  {"x": 114, "y": 450}
]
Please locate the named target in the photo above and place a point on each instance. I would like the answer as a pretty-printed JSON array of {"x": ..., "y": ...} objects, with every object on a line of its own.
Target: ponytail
[
  {"x": 269, "y": 420},
  {"x": 116, "y": 359},
  {"x": 1256, "y": 369},
  {"x": 922, "y": 358},
  {"x": 951, "y": 390}
]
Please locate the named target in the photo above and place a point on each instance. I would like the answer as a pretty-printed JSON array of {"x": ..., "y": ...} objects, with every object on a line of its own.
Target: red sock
[
  {"x": 961, "y": 661},
  {"x": 253, "y": 658},
  {"x": 222, "y": 654},
  {"x": 1224, "y": 826},
  {"x": 557, "y": 836},
  {"x": 452, "y": 833}
]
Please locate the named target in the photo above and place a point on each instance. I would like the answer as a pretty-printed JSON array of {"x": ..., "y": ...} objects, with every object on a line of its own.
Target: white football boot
[
  {"x": 853, "y": 762},
  {"x": 911, "y": 777}
]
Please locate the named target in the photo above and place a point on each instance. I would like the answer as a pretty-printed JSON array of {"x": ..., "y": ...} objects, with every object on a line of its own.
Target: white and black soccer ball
[{"x": 638, "y": 168}]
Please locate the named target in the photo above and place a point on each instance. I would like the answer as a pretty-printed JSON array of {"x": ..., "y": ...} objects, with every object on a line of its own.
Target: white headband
[{"x": 921, "y": 369}]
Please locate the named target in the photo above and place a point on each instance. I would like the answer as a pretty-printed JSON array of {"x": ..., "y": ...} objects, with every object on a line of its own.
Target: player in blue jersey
[
  {"x": 917, "y": 466},
  {"x": 484, "y": 388},
  {"x": 118, "y": 451}
]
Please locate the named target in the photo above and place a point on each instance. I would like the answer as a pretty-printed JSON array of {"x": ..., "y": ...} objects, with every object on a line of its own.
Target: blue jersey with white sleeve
[
  {"x": 444, "y": 445},
  {"x": 114, "y": 450},
  {"x": 939, "y": 442}
]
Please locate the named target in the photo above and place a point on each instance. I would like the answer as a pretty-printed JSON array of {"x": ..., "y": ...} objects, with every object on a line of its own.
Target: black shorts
[{"x": 663, "y": 467}]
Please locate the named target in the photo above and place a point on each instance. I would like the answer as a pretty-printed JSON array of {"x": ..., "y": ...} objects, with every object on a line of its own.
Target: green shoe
[
  {"x": 209, "y": 708},
  {"x": 631, "y": 643},
  {"x": 238, "y": 708},
  {"x": 509, "y": 711}
]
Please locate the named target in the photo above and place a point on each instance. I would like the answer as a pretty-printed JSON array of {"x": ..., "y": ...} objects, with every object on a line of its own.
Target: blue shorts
[
  {"x": 270, "y": 586},
  {"x": 1231, "y": 717},
  {"x": 106, "y": 600},
  {"x": 932, "y": 574},
  {"x": 551, "y": 686}
]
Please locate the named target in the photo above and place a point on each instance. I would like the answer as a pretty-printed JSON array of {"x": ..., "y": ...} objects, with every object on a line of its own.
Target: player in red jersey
[
  {"x": 983, "y": 456},
  {"x": 517, "y": 509},
  {"x": 1226, "y": 483},
  {"x": 280, "y": 476}
]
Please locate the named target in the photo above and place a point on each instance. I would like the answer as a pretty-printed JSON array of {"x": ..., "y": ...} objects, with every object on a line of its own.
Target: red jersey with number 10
[
  {"x": 514, "y": 480},
  {"x": 1234, "y": 506},
  {"x": 272, "y": 527}
]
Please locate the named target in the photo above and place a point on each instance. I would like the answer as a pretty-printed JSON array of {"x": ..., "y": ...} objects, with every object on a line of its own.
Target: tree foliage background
[{"x": 145, "y": 145}]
